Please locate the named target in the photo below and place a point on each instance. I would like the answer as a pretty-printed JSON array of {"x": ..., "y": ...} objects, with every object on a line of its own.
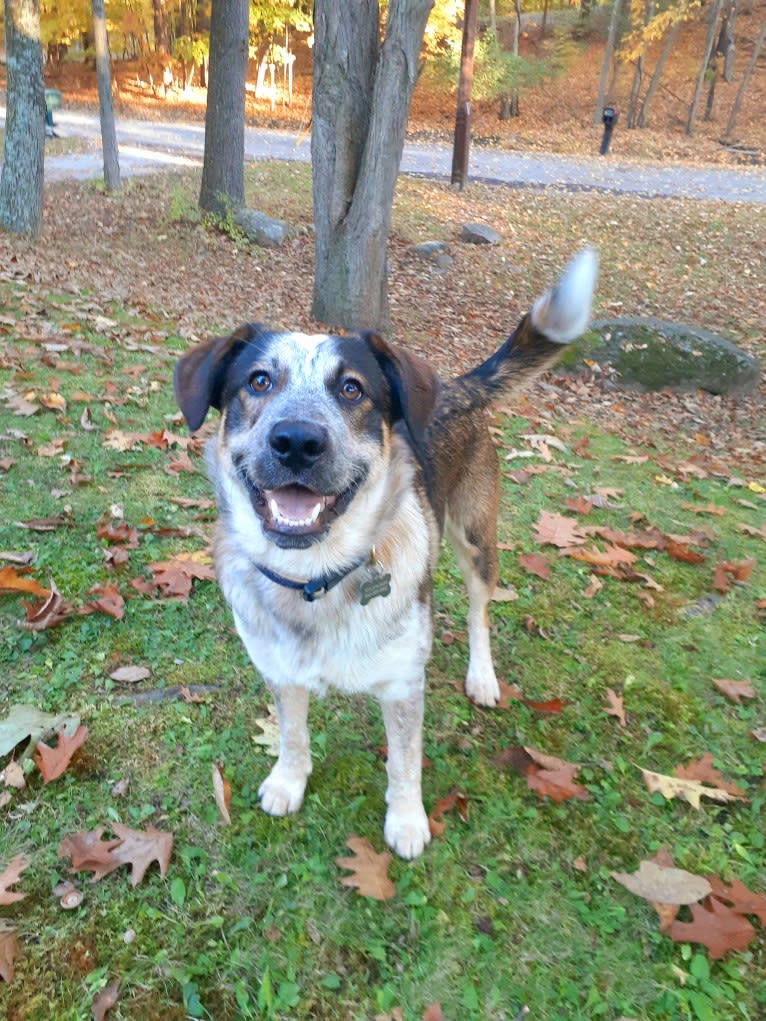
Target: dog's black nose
[{"x": 298, "y": 444}]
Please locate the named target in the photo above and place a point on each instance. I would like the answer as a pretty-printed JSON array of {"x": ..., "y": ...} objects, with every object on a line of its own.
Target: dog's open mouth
[{"x": 296, "y": 510}]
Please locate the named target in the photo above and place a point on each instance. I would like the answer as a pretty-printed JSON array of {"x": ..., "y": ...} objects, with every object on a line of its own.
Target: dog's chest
[{"x": 342, "y": 640}]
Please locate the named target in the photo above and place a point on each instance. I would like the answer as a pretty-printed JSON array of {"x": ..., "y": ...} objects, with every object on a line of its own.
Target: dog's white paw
[
  {"x": 281, "y": 793},
  {"x": 406, "y": 832},
  {"x": 482, "y": 688}
]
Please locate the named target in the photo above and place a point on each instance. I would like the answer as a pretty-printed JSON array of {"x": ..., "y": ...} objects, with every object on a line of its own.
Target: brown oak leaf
[
  {"x": 535, "y": 563},
  {"x": 702, "y": 770},
  {"x": 557, "y": 784},
  {"x": 9, "y": 877},
  {"x": 454, "y": 800},
  {"x": 715, "y": 926},
  {"x": 734, "y": 690},
  {"x": 369, "y": 870},
  {"x": 108, "y": 600},
  {"x": 52, "y": 762},
  {"x": 51, "y": 611},
  {"x": 615, "y": 707},
  {"x": 174, "y": 577},
  {"x": 557, "y": 530},
  {"x": 9, "y": 948},
  {"x": 739, "y": 898},
  {"x": 139, "y": 848},
  {"x": 104, "y": 1000}
]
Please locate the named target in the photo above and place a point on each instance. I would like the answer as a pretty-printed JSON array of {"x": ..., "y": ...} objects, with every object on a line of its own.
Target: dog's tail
[{"x": 558, "y": 317}]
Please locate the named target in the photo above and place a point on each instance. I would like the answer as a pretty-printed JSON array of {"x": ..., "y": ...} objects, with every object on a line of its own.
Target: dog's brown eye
[
  {"x": 351, "y": 390},
  {"x": 260, "y": 382}
]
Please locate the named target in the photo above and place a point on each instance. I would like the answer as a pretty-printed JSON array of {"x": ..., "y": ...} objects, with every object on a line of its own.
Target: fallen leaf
[
  {"x": 661, "y": 885},
  {"x": 12, "y": 580},
  {"x": 108, "y": 600},
  {"x": 221, "y": 793},
  {"x": 579, "y": 504},
  {"x": 174, "y": 577},
  {"x": 593, "y": 586},
  {"x": 687, "y": 790},
  {"x": 52, "y": 762},
  {"x": 680, "y": 551},
  {"x": 130, "y": 674},
  {"x": 535, "y": 563},
  {"x": 104, "y": 1000},
  {"x": 615, "y": 707},
  {"x": 137, "y": 848},
  {"x": 369, "y": 870},
  {"x": 702, "y": 770},
  {"x": 269, "y": 739},
  {"x": 454, "y": 800},
  {"x": 612, "y": 556},
  {"x": 557, "y": 530},
  {"x": 556, "y": 784},
  {"x": 13, "y": 776},
  {"x": 716, "y": 926},
  {"x": 53, "y": 610},
  {"x": 734, "y": 690},
  {"x": 433, "y": 1012},
  {"x": 504, "y": 595},
  {"x": 9, "y": 949},
  {"x": 708, "y": 508},
  {"x": 27, "y": 723},
  {"x": 9, "y": 877}
]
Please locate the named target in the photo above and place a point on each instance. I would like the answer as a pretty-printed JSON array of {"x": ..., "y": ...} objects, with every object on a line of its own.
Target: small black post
[{"x": 609, "y": 117}]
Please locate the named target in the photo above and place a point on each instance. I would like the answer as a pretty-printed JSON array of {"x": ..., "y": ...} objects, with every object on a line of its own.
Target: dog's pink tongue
[{"x": 295, "y": 502}]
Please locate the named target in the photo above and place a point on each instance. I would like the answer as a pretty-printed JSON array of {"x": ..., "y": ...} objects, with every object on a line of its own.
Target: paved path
[{"x": 146, "y": 146}]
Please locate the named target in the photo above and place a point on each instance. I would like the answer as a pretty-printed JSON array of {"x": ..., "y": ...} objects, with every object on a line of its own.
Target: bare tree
[
  {"x": 606, "y": 63},
  {"x": 744, "y": 83},
  {"x": 704, "y": 64},
  {"x": 104, "y": 82},
  {"x": 361, "y": 98},
  {"x": 223, "y": 167},
  {"x": 667, "y": 46},
  {"x": 638, "y": 72},
  {"x": 21, "y": 181}
]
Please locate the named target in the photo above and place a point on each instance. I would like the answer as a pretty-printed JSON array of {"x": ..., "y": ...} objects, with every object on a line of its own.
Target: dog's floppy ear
[
  {"x": 200, "y": 374},
  {"x": 414, "y": 384}
]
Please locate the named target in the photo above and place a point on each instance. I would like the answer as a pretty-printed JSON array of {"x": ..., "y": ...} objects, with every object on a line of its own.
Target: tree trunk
[
  {"x": 104, "y": 82},
  {"x": 667, "y": 46},
  {"x": 725, "y": 46},
  {"x": 161, "y": 39},
  {"x": 361, "y": 98},
  {"x": 638, "y": 74},
  {"x": 606, "y": 63},
  {"x": 21, "y": 181},
  {"x": 744, "y": 83},
  {"x": 710, "y": 39},
  {"x": 462, "y": 139},
  {"x": 516, "y": 34},
  {"x": 544, "y": 22},
  {"x": 223, "y": 167}
]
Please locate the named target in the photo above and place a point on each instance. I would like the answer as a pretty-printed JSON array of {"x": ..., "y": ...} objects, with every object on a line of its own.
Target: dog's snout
[{"x": 298, "y": 444}]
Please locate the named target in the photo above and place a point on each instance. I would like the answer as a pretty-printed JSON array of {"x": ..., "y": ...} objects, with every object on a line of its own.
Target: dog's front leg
[
  {"x": 282, "y": 791},
  {"x": 406, "y": 830}
]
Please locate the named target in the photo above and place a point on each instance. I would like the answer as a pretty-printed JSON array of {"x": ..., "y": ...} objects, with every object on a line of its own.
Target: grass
[{"x": 251, "y": 920}]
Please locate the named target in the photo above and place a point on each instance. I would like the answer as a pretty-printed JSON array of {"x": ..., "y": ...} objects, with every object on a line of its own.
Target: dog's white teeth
[
  {"x": 281, "y": 519},
  {"x": 274, "y": 508},
  {"x": 315, "y": 513}
]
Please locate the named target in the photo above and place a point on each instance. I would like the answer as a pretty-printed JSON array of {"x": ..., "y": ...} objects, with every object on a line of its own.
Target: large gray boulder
[
  {"x": 261, "y": 229},
  {"x": 650, "y": 354}
]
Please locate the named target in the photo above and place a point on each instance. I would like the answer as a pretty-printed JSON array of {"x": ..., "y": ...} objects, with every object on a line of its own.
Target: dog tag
[{"x": 378, "y": 585}]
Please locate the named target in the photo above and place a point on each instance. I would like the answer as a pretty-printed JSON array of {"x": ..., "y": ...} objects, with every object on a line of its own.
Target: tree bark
[
  {"x": 161, "y": 38},
  {"x": 608, "y": 51},
  {"x": 21, "y": 181},
  {"x": 462, "y": 138},
  {"x": 104, "y": 82},
  {"x": 361, "y": 98},
  {"x": 223, "y": 167},
  {"x": 638, "y": 74},
  {"x": 654, "y": 82},
  {"x": 744, "y": 83},
  {"x": 710, "y": 39}
]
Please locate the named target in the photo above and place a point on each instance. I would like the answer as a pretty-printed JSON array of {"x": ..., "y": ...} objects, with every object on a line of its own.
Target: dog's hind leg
[
  {"x": 471, "y": 529},
  {"x": 406, "y": 828},
  {"x": 282, "y": 791}
]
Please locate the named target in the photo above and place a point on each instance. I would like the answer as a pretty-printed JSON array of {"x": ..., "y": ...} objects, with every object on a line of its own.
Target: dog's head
[{"x": 306, "y": 419}]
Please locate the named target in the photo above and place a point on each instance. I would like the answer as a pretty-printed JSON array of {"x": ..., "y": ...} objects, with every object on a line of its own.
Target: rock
[
  {"x": 479, "y": 234},
  {"x": 428, "y": 250},
  {"x": 261, "y": 229},
  {"x": 650, "y": 354}
]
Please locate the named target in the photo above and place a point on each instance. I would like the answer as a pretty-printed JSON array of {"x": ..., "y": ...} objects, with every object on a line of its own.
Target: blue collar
[{"x": 315, "y": 587}]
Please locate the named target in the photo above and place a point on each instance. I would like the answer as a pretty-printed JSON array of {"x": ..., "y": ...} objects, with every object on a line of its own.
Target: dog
[{"x": 339, "y": 463}]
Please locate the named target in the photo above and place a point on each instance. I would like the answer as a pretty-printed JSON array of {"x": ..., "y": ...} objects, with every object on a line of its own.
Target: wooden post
[{"x": 462, "y": 142}]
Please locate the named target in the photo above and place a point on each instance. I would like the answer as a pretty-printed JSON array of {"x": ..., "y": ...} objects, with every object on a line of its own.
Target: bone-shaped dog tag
[{"x": 378, "y": 585}]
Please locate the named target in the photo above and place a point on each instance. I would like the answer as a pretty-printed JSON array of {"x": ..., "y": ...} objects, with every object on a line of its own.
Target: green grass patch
[{"x": 251, "y": 921}]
